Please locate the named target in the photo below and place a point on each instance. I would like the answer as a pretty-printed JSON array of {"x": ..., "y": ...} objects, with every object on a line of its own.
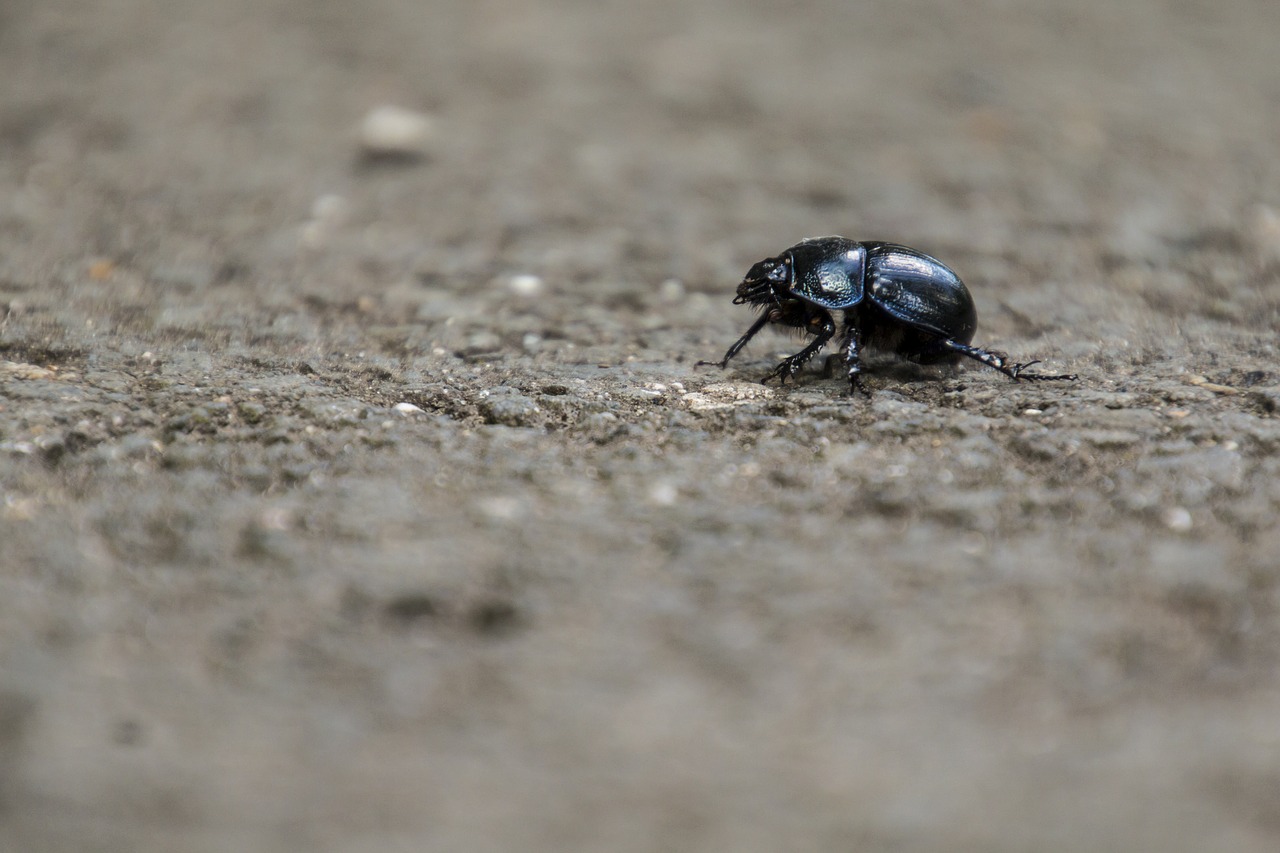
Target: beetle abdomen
[{"x": 920, "y": 291}]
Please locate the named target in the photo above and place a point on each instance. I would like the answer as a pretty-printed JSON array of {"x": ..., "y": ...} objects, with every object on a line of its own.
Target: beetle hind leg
[{"x": 1000, "y": 361}]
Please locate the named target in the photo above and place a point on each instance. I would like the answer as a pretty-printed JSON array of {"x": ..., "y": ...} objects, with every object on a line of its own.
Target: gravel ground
[{"x": 359, "y": 491}]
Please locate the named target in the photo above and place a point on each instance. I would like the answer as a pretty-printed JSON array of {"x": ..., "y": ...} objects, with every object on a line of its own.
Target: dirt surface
[{"x": 356, "y": 503}]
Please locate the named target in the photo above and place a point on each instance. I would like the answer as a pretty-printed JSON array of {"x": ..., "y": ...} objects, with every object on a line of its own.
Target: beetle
[{"x": 888, "y": 297}]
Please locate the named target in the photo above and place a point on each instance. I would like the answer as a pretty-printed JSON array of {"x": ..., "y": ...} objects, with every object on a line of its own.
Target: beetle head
[{"x": 767, "y": 282}]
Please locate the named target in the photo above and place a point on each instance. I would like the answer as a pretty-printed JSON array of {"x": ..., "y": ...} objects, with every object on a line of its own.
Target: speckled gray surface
[{"x": 364, "y": 504}]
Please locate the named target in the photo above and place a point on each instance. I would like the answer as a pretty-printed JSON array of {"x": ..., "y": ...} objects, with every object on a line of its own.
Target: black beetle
[{"x": 893, "y": 298}]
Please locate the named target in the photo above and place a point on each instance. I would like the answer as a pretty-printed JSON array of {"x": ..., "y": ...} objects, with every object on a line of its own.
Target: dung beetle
[{"x": 889, "y": 297}]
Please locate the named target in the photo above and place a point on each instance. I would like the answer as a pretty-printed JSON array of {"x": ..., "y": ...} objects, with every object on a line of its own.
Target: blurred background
[
  {"x": 989, "y": 129},
  {"x": 200, "y": 207}
]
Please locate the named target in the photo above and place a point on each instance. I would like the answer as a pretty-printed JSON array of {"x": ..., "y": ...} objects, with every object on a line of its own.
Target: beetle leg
[
  {"x": 853, "y": 359},
  {"x": 741, "y": 342},
  {"x": 788, "y": 367},
  {"x": 1000, "y": 362}
]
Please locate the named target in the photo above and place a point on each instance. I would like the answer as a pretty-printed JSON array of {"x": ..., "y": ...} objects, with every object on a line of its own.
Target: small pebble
[
  {"x": 1265, "y": 225},
  {"x": 663, "y": 494},
  {"x": 724, "y": 395},
  {"x": 275, "y": 518},
  {"x": 22, "y": 370},
  {"x": 512, "y": 410},
  {"x": 407, "y": 409},
  {"x": 330, "y": 208},
  {"x": 671, "y": 290},
  {"x": 501, "y": 507},
  {"x": 328, "y": 213},
  {"x": 101, "y": 270},
  {"x": 525, "y": 285},
  {"x": 1176, "y": 518},
  {"x": 389, "y": 131}
]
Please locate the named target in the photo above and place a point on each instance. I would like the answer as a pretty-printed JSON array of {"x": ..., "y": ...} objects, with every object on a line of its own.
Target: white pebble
[
  {"x": 329, "y": 208},
  {"x": 1265, "y": 225},
  {"x": 501, "y": 507},
  {"x": 663, "y": 493},
  {"x": 1177, "y": 518},
  {"x": 275, "y": 518},
  {"x": 408, "y": 409},
  {"x": 525, "y": 284},
  {"x": 395, "y": 131}
]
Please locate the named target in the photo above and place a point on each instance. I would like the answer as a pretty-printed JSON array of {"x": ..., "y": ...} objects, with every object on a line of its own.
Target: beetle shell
[
  {"x": 829, "y": 271},
  {"x": 920, "y": 291}
]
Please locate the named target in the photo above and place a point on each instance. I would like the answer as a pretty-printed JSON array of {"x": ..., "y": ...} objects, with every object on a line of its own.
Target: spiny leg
[
  {"x": 759, "y": 324},
  {"x": 1000, "y": 361},
  {"x": 852, "y": 358},
  {"x": 789, "y": 366}
]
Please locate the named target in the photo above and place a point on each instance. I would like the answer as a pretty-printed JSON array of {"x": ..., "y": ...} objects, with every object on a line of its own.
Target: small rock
[
  {"x": 671, "y": 290},
  {"x": 525, "y": 285},
  {"x": 502, "y": 507},
  {"x": 101, "y": 269},
  {"x": 328, "y": 213},
  {"x": 481, "y": 343},
  {"x": 407, "y": 409},
  {"x": 21, "y": 370},
  {"x": 252, "y": 412},
  {"x": 725, "y": 395},
  {"x": 1177, "y": 518},
  {"x": 330, "y": 208},
  {"x": 389, "y": 131},
  {"x": 603, "y": 426},
  {"x": 334, "y": 414},
  {"x": 638, "y": 395},
  {"x": 663, "y": 493},
  {"x": 1110, "y": 439},
  {"x": 53, "y": 446},
  {"x": 513, "y": 410},
  {"x": 1265, "y": 227},
  {"x": 1202, "y": 382}
]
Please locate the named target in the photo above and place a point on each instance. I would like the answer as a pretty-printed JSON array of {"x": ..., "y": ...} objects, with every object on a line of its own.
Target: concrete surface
[{"x": 372, "y": 501}]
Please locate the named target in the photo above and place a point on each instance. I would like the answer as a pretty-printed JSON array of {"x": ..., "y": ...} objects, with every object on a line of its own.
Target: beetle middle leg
[
  {"x": 853, "y": 358},
  {"x": 788, "y": 367},
  {"x": 1000, "y": 361}
]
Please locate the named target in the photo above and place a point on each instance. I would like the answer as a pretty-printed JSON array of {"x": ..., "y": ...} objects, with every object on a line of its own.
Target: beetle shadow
[{"x": 887, "y": 367}]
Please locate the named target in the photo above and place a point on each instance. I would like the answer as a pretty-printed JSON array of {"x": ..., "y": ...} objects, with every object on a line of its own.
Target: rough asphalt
[{"x": 359, "y": 502}]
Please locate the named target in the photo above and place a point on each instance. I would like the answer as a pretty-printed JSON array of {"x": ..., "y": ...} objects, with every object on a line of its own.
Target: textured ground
[{"x": 591, "y": 597}]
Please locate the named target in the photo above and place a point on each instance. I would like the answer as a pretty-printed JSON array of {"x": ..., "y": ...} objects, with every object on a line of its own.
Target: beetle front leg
[
  {"x": 788, "y": 367},
  {"x": 741, "y": 342},
  {"x": 1000, "y": 362}
]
